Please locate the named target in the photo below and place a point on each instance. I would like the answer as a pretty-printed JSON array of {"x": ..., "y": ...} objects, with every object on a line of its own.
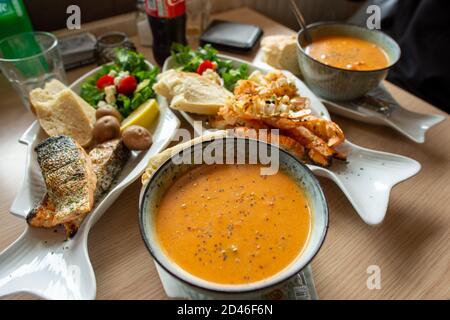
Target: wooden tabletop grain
[{"x": 411, "y": 247}]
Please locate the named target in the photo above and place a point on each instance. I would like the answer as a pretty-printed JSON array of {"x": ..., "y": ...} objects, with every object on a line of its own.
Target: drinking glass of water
[
  {"x": 28, "y": 60},
  {"x": 198, "y": 15}
]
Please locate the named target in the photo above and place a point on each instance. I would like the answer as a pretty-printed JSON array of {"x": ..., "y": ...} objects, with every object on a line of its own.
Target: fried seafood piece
[
  {"x": 320, "y": 150},
  {"x": 272, "y": 101},
  {"x": 272, "y": 95},
  {"x": 228, "y": 118},
  {"x": 283, "y": 141},
  {"x": 274, "y": 82},
  {"x": 325, "y": 129},
  {"x": 70, "y": 182},
  {"x": 321, "y": 153},
  {"x": 42, "y": 215},
  {"x": 263, "y": 99},
  {"x": 108, "y": 160}
]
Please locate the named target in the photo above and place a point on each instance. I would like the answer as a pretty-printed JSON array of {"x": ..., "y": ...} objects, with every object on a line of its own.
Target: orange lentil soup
[
  {"x": 228, "y": 224},
  {"x": 348, "y": 53}
]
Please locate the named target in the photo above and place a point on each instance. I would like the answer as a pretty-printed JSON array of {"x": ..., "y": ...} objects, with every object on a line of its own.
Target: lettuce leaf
[
  {"x": 189, "y": 60},
  {"x": 125, "y": 60}
]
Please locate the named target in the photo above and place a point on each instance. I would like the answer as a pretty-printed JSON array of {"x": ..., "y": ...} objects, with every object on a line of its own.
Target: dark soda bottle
[{"x": 167, "y": 20}]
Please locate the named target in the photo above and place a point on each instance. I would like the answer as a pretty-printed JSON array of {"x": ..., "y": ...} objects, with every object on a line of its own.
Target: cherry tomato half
[
  {"x": 104, "y": 81},
  {"x": 127, "y": 85},
  {"x": 206, "y": 64}
]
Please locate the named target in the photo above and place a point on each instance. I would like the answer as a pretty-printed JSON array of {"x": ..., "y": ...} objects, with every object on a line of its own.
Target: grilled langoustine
[
  {"x": 272, "y": 101},
  {"x": 270, "y": 136}
]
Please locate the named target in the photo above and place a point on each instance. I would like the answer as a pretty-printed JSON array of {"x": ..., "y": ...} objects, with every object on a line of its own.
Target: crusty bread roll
[
  {"x": 61, "y": 111},
  {"x": 281, "y": 52}
]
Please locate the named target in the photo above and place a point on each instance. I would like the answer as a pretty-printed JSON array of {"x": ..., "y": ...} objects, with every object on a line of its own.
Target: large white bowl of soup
[
  {"x": 344, "y": 61},
  {"x": 227, "y": 228}
]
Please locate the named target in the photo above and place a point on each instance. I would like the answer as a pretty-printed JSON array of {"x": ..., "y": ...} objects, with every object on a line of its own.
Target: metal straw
[{"x": 301, "y": 21}]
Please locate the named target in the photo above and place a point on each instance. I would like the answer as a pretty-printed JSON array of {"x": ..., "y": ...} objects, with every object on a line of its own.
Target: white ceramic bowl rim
[
  {"x": 346, "y": 24},
  {"x": 193, "y": 280}
]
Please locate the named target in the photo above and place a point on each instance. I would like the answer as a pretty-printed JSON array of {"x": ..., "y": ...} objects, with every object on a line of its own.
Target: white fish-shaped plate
[
  {"x": 40, "y": 261},
  {"x": 379, "y": 107},
  {"x": 366, "y": 178}
]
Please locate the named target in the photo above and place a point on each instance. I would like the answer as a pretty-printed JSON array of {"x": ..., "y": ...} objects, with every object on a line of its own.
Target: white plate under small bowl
[
  {"x": 300, "y": 287},
  {"x": 385, "y": 110},
  {"x": 366, "y": 178},
  {"x": 40, "y": 261},
  {"x": 153, "y": 192}
]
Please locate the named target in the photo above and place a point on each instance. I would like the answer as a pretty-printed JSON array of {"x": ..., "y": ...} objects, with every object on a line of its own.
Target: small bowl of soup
[
  {"x": 235, "y": 227},
  {"x": 344, "y": 61}
]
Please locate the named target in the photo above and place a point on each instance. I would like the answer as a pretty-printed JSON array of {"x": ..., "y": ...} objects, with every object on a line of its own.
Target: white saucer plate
[{"x": 383, "y": 110}]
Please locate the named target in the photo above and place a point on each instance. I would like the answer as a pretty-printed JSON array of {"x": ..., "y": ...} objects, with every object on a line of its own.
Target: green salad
[
  {"x": 206, "y": 57},
  {"x": 125, "y": 83}
]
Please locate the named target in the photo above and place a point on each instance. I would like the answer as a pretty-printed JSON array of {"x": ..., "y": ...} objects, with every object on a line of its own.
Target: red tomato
[
  {"x": 127, "y": 85},
  {"x": 206, "y": 64},
  {"x": 105, "y": 81}
]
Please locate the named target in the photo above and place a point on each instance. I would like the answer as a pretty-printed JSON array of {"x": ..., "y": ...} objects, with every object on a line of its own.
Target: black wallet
[{"x": 226, "y": 35}]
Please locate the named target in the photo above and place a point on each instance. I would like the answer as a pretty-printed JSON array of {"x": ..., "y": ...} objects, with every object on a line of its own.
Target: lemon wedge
[{"x": 143, "y": 116}]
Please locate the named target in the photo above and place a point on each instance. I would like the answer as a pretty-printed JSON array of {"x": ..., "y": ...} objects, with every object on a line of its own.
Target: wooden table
[{"x": 411, "y": 246}]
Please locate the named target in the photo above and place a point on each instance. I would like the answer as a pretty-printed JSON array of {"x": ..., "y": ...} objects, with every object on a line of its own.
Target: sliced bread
[
  {"x": 61, "y": 111},
  {"x": 191, "y": 92}
]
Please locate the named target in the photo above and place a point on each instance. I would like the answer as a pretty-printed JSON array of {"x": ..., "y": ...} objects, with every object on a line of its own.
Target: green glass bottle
[{"x": 13, "y": 18}]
